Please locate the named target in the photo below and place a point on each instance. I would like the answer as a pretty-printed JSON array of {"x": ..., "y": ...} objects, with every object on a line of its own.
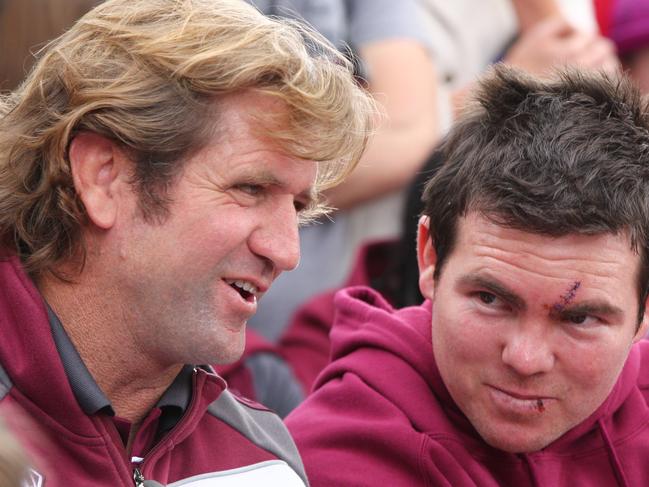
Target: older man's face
[
  {"x": 192, "y": 282},
  {"x": 531, "y": 332}
]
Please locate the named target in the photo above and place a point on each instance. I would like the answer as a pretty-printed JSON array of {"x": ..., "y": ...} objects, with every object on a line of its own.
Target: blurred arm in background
[
  {"x": 547, "y": 40},
  {"x": 402, "y": 78}
]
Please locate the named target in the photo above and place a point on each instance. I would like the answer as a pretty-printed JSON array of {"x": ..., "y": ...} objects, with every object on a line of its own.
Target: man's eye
[
  {"x": 486, "y": 298},
  {"x": 251, "y": 189},
  {"x": 577, "y": 319},
  {"x": 581, "y": 319}
]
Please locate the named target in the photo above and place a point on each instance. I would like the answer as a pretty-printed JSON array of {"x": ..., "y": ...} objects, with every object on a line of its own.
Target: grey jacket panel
[
  {"x": 263, "y": 428},
  {"x": 5, "y": 383}
]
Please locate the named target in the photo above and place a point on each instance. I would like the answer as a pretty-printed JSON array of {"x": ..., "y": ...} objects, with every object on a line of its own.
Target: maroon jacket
[
  {"x": 381, "y": 415},
  {"x": 197, "y": 430}
]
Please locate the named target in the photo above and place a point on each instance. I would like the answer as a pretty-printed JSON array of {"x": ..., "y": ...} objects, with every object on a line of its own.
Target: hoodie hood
[{"x": 391, "y": 352}]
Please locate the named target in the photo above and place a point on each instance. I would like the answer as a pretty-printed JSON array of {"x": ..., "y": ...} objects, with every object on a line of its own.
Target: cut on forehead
[{"x": 578, "y": 260}]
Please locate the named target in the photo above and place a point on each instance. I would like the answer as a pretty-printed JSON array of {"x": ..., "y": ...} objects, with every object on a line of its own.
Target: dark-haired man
[{"x": 533, "y": 259}]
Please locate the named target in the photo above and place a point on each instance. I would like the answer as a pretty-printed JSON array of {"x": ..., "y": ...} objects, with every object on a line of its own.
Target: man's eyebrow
[
  {"x": 493, "y": 286},
  {"x": 261, "y": 178},
  {"x": 601, "y": 308},
  {"x": 308, "y": 196}
]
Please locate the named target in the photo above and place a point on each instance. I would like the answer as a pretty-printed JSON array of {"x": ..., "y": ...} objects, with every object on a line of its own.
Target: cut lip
[{"x": 516, "y": 404}]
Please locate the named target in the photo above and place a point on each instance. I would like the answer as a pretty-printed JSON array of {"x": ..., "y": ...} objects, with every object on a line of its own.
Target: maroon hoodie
[
  {"x": 198, "y": 430},
  {"x": 381, "y": 415}
]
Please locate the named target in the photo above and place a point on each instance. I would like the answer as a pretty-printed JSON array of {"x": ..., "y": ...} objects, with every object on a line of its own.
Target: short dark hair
[{"x": 553, "y": 157}]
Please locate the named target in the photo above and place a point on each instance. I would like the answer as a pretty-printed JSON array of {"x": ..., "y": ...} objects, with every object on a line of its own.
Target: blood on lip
[{"x": 537, "y": 404}]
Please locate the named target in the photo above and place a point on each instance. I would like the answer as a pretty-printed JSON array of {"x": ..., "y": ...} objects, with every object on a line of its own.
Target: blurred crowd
[{"x": 419, "y": 60}]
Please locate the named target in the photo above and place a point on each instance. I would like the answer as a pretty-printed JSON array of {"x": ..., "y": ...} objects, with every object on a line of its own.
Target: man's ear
[
  {"x": 98, "y": 171},
  {"x": 644, "y": 325},
  {"x": 426, "y": 257}
]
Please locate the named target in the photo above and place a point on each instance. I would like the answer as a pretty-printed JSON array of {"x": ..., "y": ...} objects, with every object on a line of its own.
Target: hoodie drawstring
[{"x": 615, "y": 461}]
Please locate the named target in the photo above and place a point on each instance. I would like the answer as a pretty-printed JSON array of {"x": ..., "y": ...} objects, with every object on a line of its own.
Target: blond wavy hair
[{"x": 144, "y": 73}]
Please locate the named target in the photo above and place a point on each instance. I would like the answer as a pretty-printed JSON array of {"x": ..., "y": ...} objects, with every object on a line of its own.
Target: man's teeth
[{"x": 245, "y": 285}]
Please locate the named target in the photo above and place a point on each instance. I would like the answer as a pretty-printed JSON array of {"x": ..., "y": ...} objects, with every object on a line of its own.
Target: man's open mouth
[{"x": 247, "y": 290}]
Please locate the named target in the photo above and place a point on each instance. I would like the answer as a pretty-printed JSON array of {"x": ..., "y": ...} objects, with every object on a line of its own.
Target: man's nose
[
  {"x": 277, "y": 238},
  {"x": 527, "y": 350}
]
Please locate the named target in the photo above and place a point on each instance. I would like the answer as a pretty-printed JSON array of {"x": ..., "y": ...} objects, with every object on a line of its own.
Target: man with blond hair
[{"x": 154, "y": 167}]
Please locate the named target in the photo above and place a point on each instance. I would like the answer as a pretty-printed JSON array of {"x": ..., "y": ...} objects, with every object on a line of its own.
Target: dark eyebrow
[
  {"x": 493, "y": 286},
  {"x": 591, "y": 308}
]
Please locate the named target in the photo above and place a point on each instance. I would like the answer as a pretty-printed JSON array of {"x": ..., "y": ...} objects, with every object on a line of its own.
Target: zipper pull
[{"x": 138, "y": 478}]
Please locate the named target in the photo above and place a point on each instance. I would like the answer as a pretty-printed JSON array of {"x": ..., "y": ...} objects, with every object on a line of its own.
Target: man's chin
[
  {"x": 517, "y": 445},
  {"x": 228, "y": 353}
]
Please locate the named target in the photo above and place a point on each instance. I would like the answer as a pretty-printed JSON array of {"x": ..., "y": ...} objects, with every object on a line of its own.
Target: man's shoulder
[
  {"x": 258, "y": 425},
  {"x": 362, "y": 305},
  {"x": 381, "y": 364}
]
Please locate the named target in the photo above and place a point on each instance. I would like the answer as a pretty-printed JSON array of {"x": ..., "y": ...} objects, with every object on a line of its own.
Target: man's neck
[{"x": 127, "y": 376}]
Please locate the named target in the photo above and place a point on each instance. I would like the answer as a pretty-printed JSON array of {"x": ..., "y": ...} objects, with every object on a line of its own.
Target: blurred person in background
[
  {"x": 26, "y": 26},
  {"x": 534, "y": 35},
  {"x": 626, "y": 23}
]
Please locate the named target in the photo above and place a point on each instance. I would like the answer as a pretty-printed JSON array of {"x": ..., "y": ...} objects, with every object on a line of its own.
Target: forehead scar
[{"x": 566, "y": 299}]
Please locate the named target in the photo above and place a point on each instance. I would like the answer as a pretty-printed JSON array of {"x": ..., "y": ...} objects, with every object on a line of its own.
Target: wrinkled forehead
[{"x": 271, "y": 121}]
